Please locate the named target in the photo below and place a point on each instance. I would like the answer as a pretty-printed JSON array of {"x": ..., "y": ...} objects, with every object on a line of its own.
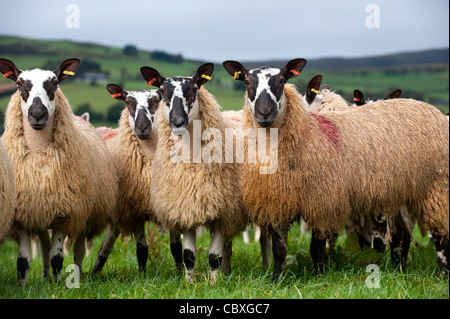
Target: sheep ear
[
  {"x": 67, "y": 68},
  {"x": 117, "y": 92},
  {"x": 152, "y": 76},
  {"x": 394, "y": 94},
  {"x": 235, "y": 69},
  {"x": 313, "y": 88},
  {"x": 9, "y": 69},
  {"x": 293, "y": 68},
  {"x": 204, "y": 73},
  {"x": 358, "y": 97}
]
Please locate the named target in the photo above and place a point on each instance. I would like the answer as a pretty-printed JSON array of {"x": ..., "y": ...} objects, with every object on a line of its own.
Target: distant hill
[
  {"x": 17, "y": 46},
  {"x": 435, "y": 56}
]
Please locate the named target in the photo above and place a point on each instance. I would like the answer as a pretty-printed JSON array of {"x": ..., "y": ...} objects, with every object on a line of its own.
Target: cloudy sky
[{"x": 217, "y": 30}]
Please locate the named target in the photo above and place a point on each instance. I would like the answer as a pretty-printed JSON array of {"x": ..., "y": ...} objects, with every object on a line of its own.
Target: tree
[{"x": 130, "y": 49}]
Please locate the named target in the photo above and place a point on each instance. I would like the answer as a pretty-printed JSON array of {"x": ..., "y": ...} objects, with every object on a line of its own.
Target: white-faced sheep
[
  {"x": 7, "y": 193},
  {"x": 198, "y": 187},
  {"x": 133, "y": 148},
  {"x": 341, "y": 165},
  {"x": 65, "y": 177}
]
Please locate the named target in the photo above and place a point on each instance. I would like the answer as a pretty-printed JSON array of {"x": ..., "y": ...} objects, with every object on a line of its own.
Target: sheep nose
[
  {"x": 178, "y": 121},
  {"x": 37, "y": 109}
]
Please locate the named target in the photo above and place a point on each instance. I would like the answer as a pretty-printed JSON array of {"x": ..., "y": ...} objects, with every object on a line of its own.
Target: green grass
[{"x": 345, "y": 277}]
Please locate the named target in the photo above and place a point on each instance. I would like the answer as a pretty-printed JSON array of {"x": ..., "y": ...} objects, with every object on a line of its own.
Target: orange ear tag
[
  {"x": 356, "y": 99},
  {"x": 116, "y": 95},
  {"x": 295, "y": 72},
  {"x": 151, "y": 81},
  {"x": 8, "y": 74}
]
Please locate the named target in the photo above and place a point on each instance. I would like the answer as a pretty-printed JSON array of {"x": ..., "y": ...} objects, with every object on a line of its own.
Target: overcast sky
[{"x": 217, "y": 30}]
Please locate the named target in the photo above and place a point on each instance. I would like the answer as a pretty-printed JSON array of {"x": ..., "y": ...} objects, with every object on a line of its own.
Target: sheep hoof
[{"x": 189, "y": 277}]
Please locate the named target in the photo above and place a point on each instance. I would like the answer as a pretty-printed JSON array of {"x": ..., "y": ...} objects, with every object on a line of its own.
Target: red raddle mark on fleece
[
  {"x": 328, "y": 128},
  {"x": 107, "y": 133}
]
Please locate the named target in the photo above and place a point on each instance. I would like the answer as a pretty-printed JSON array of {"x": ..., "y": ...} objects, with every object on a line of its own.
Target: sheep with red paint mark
[{"x": 383, "y": 156}]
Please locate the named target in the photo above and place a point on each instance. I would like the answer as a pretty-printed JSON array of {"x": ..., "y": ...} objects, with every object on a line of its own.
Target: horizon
[
  {"x": 248, "y": 61},
  {"x": 239, "y": 30}
]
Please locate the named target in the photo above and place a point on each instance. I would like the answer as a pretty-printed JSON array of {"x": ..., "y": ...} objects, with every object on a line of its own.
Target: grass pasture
[{"x": 345, "y": 278}]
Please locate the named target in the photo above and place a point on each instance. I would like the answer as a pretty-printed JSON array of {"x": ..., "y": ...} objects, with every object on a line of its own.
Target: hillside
[
  {"x": 422, "y": 75},
  {"x": 436, "y": 56}
]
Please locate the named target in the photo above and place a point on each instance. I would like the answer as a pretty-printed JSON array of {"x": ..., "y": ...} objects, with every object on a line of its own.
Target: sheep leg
[
  {"x": 44, "y": 240},
  {"x": 266, "y": 247},
  {"x": 106, "y": 248},
  {"x": 279, "y": 249},
  {"x": 56, "y": 253},
  {"x": 24, "y": 256},
  {"x": 141, "y": 246},
  {"x": 215, "y": 255},
  {"x": 227, "y": 252},
  {"x": 79, "y": 250},
  {"x": 442, "y": 249},
  {"x": 176, "y": 249},
  {"x": 317, "y": 251},
  {"x": 401, "y": 240},
  {"x": 189, "y": 253}
]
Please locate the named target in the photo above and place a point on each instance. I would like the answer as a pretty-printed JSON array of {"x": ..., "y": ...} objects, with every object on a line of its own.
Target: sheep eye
[{"x": 246, "y": 82}]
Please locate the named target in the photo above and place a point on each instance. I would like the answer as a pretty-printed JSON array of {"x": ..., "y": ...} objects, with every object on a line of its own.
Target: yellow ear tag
[
  {"x": 206, "y": 77},
  {"x": 315, "y": 91},
  {"x": 68, "y": 72},
  {"x": 236, "y": 74}
]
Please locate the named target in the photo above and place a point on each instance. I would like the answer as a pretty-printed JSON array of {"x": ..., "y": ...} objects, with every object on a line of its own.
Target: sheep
[
  {"x": 133, "y": 148},
  {"x": 195, "y": 189},
  {"x": 65, "y": 178},
  {"x": 320, "y": 98},
  {"x": 7, "y": 194},
  {"x": 342, "y": 165},
  {"x": 359, "y": 97}
]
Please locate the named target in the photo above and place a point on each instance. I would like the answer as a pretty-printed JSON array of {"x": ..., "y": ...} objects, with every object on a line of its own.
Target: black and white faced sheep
[
  {"x": 65, "y": 176},
  {"x": 192, "y": 184},
  {"x": 358, "y": 97},
  {"x": 399, "y": 158},
  {"x": 133, "y": 148}
]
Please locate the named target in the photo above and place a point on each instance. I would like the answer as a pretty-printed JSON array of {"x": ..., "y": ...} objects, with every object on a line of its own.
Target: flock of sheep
[{"x": 371, "y": 167}]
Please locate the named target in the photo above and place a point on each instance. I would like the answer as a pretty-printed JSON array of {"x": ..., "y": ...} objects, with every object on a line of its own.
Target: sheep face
[
  {"x": 141, "y": 105},
  {"x": 312, "y": 97},
  {"x": 37, "y": 88},
  {"x": 179, "y": 95},
  {"x": 265, "y": 88}
]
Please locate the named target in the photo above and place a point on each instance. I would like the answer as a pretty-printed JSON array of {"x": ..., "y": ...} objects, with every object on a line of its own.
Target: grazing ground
[{"x": 346, "y": 276}]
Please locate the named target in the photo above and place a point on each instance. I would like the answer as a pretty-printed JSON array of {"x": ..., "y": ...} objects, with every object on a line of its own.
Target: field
[{"x": 346, "y": 274}]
